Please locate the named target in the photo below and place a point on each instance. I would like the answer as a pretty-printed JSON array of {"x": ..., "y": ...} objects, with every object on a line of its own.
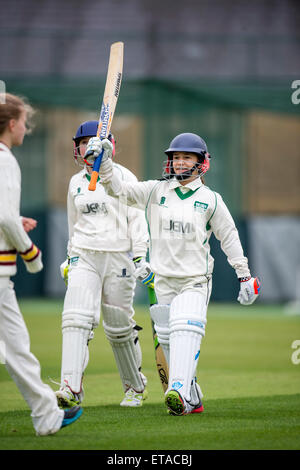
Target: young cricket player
[
  {"x": 105, "y": 237},
  {"x": 20, "y": 363},
  {"x": 182, "y": 213}
]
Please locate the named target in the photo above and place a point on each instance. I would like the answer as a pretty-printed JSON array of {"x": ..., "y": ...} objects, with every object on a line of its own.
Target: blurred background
[{"x": 226, "y": 70}]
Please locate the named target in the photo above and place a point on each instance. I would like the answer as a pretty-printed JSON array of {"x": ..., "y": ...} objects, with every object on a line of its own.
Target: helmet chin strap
[{"x": 186, "y": 174}]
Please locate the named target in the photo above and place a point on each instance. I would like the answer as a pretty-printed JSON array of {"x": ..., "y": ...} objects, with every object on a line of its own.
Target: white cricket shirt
[
  {"x": 180, "y": 223},
  {"x": 100, "y": 222}
]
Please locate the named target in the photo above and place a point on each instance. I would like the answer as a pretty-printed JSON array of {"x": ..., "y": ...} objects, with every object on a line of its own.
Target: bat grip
[
  {"x": 95, "y": 174},
  {"x": 152, "y": 296}
]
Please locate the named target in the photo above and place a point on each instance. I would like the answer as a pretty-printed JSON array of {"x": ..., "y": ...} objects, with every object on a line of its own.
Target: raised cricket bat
[
  {"x": 110, "y": 98},
  {"x": 161, "y": 363}
]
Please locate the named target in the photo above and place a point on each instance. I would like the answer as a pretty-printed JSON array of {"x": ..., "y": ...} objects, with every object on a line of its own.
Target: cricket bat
[
  {"x": 161, "y": 363},
  {"x": 110, "y": 98}
]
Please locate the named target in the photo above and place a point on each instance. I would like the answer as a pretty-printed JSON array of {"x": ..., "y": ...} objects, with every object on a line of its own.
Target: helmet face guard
[
  {"x": 190, "y": 143},
  {"x": 88, "y": 129},
  {"x": 202, "y": 166}
]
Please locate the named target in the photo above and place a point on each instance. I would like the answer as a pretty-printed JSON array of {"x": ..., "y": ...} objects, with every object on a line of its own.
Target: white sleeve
[
  {"x": 71, "y": 218},
  {"x": 10, "y": 221},
  {"x": 223, "y": 226},
  {"x": 137, "y": 226},
  {"x": 138, "y": 232},
  {"x": 132, "y": 193}
]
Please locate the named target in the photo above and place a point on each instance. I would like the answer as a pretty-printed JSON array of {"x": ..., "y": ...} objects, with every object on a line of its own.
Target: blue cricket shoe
[{"x": 71, "y": 415}]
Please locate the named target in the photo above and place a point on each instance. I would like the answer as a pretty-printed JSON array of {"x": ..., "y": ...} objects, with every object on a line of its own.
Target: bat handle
[
  {"x": 152, "y": 296},
  {"x": 95, "y": 174}
]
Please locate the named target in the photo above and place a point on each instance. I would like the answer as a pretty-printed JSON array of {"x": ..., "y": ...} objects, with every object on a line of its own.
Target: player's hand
[
  {"x": 93, "y": 148},
  {"x": 28, "y": 223},
  {"x": 143, "y": 271},
  {"x": 64, "y": 270},
  {"x": 32, "y": 259},
  {"x": 249, "y": 291},
  {"x": 107, "y": 150}
]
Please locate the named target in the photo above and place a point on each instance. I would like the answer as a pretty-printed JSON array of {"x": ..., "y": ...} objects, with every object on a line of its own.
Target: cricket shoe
[
  {"x": 71, "y": 415},
  {"x": 178, "y": 406},
  {"x": 67, "y": 399},
  {"x": 196, "y": 397},
  {"x": 133, "y": 398}
]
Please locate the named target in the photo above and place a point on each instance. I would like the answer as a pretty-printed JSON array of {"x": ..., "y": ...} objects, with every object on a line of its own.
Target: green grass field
[{"x": 251, "y": 387}]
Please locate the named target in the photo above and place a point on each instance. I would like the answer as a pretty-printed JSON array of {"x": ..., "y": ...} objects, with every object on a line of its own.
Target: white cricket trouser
[
  {"x": 95, "y": 278},
  {"x": 22, "y": 365},
  {"x": 167, "y": 288},
  {"x": 107, "y": 276}
]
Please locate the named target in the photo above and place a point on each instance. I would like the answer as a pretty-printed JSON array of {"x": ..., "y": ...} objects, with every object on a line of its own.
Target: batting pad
[
  {"x": 160, "y": 316},
  {"x": 118, "y": 330},
  {"x": 77, "y": 323},
  {"x": 187, "y": 327},
  {"x": 74, "y": 355}
]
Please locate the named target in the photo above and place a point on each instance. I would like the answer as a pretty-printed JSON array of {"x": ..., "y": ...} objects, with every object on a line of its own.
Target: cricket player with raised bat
[
  {"x": 21, "y": 364},
  {"x": 107, "y": 247},
  {"x": 182, "y": 213}
]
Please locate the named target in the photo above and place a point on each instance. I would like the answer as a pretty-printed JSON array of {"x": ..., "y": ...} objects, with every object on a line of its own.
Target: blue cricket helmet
[
  {"x": 187, "y": 142},
  {"x": 89, "y": 129},
  {"x": 86, "y": 129}
]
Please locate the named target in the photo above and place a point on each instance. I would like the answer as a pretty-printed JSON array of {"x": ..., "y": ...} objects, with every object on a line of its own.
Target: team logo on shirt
[
  {"x": 94, "y": 208},
  {"x": 200, "y": 206},
  {"x": 78, "y": 192},
  {"x": 178, "y": 226},
  {"x": 162, "y": 201}
]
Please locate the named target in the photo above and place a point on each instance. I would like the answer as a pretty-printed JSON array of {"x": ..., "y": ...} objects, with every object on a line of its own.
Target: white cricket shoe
[
  {"x": 133, "y": 398},
  {"x": 66, "y": 398}
]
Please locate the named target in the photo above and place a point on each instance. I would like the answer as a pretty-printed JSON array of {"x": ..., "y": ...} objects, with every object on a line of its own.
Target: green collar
[
  {"x": 185, "y": 195},
  {"x": 88, "y": 177}
]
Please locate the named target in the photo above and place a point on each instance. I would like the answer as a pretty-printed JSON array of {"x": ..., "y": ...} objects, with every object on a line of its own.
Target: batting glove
[
  {"x": 93, "y": 148},
  {"x": 143, "y": 271},
  {"x": 107, "y": 149},
  {"x": 64, "y": 270},
  {"x": 32, "y": 259},
  {"x": 249, "y": 290}
]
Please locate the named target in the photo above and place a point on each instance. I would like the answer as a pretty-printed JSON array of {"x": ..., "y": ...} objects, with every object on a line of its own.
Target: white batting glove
[
  {"x": 143, "y": 271},
  {"x": 249, "y": 290},
  {"x": 64, "y": 270},
  {"x": 93, "y": 148},
  {"x": 108, "y": 149},
  {"x": 32, "y": 259}
]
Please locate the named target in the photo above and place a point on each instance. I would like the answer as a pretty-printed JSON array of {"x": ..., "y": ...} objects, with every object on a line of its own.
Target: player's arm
[
  {"x": 71, "y": 211},
  {"x": 224, "y": 228},
  {"x": 11, "y": 223},
  {"x": 132, "y": 193}
]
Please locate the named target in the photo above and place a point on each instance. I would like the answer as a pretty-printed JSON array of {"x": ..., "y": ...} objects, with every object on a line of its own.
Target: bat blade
[{"x": 110, "y": 98}]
